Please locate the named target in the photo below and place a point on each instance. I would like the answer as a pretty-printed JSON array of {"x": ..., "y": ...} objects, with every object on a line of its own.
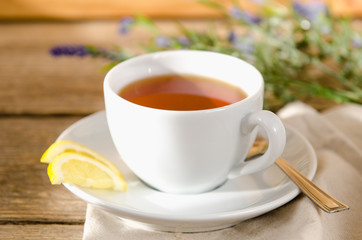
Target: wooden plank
[
  {"x": 26, "y": 194},
  {"x": 34, "y": 82},
  {"x": 41, "y": 231},
  {"x": 105, "y": 9},
  {"x": 71, "y": 9}
]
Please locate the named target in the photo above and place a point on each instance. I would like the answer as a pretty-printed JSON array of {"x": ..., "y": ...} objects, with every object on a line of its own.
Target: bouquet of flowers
[{"x": 303, "y": 52}]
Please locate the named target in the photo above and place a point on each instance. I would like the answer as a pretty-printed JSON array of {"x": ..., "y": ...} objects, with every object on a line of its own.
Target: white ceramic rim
[{"x": 122, "y": 67}]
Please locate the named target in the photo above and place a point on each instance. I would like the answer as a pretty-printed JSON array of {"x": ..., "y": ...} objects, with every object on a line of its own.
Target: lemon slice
[
  {"x": 63, "y": 146},
  {"x": 83, "y": 170},
  {"x": 71, "y": 162}
]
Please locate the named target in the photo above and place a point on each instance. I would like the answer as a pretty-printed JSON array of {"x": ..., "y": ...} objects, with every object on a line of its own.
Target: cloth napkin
[{"x": 336, "y": 135}]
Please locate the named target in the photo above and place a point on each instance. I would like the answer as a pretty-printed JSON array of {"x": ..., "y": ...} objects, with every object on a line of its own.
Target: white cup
[{"x": 190, "y": 151}]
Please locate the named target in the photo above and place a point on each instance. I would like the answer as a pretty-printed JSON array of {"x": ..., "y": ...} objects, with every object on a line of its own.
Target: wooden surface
[
  {"x": 40, "y": 96},
  {"x": 106, "y": 9}
]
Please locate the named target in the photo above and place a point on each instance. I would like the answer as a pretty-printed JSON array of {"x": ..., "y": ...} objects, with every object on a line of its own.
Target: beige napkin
[{"x": 336, "y": 136}]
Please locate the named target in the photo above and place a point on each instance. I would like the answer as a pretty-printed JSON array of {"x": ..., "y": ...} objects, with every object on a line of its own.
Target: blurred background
[
  {"x": 106, "y": 9},
  {"x": 34, "y": 32},
  {"x": 30, "y": 28}
]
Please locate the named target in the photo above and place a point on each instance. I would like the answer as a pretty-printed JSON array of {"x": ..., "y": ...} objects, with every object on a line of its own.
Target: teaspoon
[{"x": 313, "y": 192}]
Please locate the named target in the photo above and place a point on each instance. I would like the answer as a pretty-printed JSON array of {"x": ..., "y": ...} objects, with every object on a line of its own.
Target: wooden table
[{"x": 40, "y": 96}]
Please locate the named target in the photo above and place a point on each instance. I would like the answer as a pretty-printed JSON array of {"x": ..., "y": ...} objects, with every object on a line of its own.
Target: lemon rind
[
  {"x": 56, "y": 176},
  {"x": 63, "y": 146}
]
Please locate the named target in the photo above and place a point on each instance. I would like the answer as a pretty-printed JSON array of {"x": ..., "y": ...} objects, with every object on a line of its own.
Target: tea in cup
[{"x": 183, "y": 121}]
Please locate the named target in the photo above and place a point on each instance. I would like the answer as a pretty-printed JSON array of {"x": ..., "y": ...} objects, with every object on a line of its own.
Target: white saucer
[{"x": 237, "y": 200}]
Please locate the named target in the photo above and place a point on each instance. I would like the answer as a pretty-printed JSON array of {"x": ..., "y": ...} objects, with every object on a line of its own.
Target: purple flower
[
  {"x": 78, "y": 50},
  {"x": 125, "y": 24},
  {"x": 245, "y": 16},
  {"x": 357, "y": 42},
  {"x": 163, "y": 42},
  {"x": 243, "y": 44},
  {"x": 310, "y": 10},
  {"x": 184, "y": 41},
  {"x": 244, "y": 47},
  {"x": 232, "y": 36}
]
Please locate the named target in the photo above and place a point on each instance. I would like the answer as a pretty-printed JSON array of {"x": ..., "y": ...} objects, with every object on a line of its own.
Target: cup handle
[{"x": 275, "y": 132}]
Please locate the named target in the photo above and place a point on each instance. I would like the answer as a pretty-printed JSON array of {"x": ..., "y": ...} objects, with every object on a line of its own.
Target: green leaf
[{"x": 146, "y": 23}]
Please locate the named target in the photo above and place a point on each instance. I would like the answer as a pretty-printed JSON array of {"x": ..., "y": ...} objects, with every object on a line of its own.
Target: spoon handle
[{"x": 317, "y": 195}]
